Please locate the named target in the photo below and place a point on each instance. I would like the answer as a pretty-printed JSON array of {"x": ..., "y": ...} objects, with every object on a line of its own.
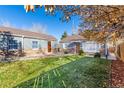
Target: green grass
[
  {"x": 12, "y": 74},
  {"x": 68, "y": 71},
  {"x": 84, "y": 72}
]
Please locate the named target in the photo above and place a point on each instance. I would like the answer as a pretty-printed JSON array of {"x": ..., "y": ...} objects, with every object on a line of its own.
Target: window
[
  {"x": 13, "y": 44},
  {"x": 34, "y": 44}
]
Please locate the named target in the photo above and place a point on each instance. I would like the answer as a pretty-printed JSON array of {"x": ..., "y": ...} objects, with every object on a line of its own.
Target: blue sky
[{"x": 17, "y": 17}]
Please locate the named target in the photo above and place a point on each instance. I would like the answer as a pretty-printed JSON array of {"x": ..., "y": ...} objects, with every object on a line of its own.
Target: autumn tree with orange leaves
[{"x": 106, "y": 20}]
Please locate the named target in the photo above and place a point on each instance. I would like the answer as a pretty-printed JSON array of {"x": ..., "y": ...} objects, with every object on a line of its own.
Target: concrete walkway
[{"x": 110, "y": 57}]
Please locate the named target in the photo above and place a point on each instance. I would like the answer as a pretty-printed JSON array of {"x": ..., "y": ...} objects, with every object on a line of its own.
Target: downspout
[{"x": 22, "y": 43}]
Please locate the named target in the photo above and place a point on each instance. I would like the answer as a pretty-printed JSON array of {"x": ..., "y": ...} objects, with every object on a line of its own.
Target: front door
[
  {"x": 49, "y": 46},
  {"x": 77, "y": 47}
]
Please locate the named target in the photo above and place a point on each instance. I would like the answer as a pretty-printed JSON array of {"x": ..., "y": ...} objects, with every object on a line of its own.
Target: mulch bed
[{"x": 117, "y": 74}]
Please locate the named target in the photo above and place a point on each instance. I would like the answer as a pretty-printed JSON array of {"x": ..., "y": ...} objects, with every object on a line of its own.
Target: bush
[
  {"x": 81, "y": 52},
  {"x": 97, "y": 55},
  {"x": 66, "y": 51}
]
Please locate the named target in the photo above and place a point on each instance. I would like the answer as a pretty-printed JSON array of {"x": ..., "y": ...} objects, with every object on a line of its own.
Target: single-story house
[
  {"x": 75, "y": 43},
  {"x": 30, "y": 42}
]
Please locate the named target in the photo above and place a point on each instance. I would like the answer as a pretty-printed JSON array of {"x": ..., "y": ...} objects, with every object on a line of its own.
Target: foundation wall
[{"x": 32, "y": 52}]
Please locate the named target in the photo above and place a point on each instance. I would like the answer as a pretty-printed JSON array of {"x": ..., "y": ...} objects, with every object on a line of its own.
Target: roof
[
  {"x": 19, "y": 32},
  {"x": 72, "y": 38}
]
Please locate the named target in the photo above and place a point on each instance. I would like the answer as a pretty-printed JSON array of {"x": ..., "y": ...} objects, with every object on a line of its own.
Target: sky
[{"x": 15, "y": 16}]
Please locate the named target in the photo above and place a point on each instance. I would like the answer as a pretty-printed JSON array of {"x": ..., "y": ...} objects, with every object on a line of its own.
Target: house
[
  {"x": 30, "y": 42},
  {"x": 75, "y": 43}
]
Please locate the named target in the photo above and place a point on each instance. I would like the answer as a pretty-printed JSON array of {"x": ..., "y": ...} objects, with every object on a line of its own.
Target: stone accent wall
[
  {"x": 33, "y": 52},
  {"x": 43, "y": 51},
  {"x": 30, "y": 52}
]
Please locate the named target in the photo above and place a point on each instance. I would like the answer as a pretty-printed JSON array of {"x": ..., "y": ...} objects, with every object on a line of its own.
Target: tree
[
  {"x": 94, "y": 35},
  {"x": 106, "y": 19},
  {"x": 64, "y": 35},
  {"x": 66, "y": 10},
  {"x": 87, "y": 34}
]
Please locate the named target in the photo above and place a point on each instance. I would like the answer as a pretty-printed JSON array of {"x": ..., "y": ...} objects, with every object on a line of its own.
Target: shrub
[
  {"x": 81, "y": 52},
  {"x": 65, "y": 51},
  {"x": 97, "y": 55}
]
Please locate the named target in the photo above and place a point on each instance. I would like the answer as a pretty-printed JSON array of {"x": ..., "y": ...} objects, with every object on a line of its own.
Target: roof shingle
[
  {"x": 72, "y": 38},
  {"x": 24, "y": 33}
]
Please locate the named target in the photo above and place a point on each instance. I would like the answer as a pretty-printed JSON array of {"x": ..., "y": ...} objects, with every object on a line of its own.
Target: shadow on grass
[{"x": 84, "y": 72}]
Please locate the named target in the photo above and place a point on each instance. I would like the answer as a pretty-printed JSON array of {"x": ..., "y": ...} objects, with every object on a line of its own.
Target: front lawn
[{"x": 68, "y": 71}]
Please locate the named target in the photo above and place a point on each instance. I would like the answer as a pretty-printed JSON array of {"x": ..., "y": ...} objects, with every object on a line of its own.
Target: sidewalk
[{"x": 110, "y": 57}]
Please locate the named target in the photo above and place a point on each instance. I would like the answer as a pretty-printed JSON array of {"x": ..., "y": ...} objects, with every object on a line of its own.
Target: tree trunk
[{"x": 120, "y": 51}]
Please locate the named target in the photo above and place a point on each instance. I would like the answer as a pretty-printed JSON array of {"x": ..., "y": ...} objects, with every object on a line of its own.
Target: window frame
[
  {"x": 12, "y": 45},
  {"x": 36, "y": 45}
]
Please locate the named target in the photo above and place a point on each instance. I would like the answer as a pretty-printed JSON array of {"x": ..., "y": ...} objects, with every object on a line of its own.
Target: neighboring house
[
  {"x": 30, "y": 42},
  {"x": 75, "y": 43}
]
